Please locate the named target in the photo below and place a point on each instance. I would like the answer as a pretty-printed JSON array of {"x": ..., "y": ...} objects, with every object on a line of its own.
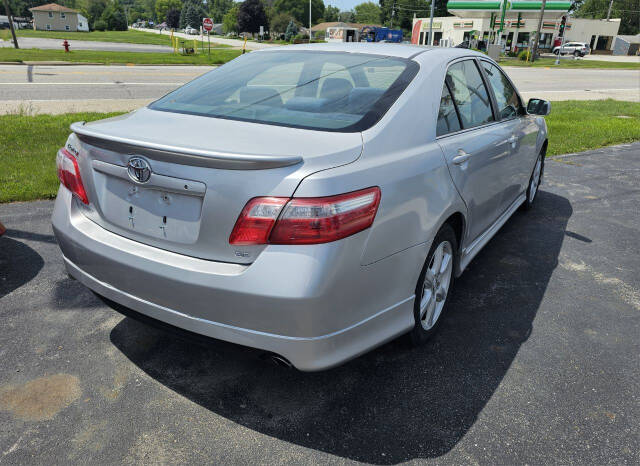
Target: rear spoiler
[{"x": 183, "y": 155}]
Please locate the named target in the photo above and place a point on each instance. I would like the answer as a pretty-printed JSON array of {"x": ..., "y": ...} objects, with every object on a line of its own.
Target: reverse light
[
  {"x": 69, "y": 174},
  {"x": 277, "y": 220}
]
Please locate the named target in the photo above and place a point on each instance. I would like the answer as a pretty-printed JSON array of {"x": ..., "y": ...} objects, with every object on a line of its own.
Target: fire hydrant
[{"x": 65, "y": 44}]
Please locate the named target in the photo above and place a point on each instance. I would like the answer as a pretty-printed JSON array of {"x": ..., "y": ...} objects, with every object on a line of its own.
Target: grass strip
[
  {"x": 570, "y": 63},
  {"x": 138, "y": 58}
]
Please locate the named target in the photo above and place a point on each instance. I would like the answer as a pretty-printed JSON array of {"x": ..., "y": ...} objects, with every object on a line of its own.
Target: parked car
[
  {"x": 312, "y": 201},
  {"x": 191, "y": 31},
  {"x": 577, "y": 49}
]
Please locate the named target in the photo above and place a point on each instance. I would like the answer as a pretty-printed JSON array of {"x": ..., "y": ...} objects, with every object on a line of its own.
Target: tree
[
  {"x": 230, "y": 20},
  {"x": 292, "y": 31},
  {"x": 192, "y": 13},
  {"x": 331, "y": 13},
  {"x": 279, "y": 23},
  {"x": 404, "y": 11},
  {"x": 627, "y": 10},
  {"x": 173, "y": 18},
  {"x": 299, "y": 9},
  {"x": 163, "y": 7},
  {"x": 219, "y": 8},
  {"x": 114, "y": 17},
  {"x": 367, "y": 13},
  {"x": 346, "y": 16},
  {"x": 251, "y": 16}
]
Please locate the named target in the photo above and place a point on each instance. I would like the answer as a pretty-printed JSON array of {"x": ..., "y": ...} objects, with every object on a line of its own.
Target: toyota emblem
[{"x": 139, "y": 169}]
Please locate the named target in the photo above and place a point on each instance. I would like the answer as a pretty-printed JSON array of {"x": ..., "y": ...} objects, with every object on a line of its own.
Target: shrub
[{"x": 523, "y": 55}]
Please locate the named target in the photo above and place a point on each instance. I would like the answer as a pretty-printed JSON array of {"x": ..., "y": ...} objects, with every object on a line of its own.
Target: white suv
[{"x": 577, "y": 49}]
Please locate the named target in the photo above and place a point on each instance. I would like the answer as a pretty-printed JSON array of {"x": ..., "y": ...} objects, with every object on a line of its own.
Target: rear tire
[
  {"x": 534, "y": 182},
  {"x": 434, "y": 285},
  {"x": 577, "y": 54}
]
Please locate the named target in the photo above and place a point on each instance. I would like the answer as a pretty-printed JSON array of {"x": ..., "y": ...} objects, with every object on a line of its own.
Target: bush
[
  {"x": 291, "y": 31},
  {"x": 523, "y": 55},
  {"x": 99, "y": 25}
]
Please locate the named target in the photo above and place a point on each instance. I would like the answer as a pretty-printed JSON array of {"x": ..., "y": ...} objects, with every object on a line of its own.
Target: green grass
[
  {"x": 570, "y": 63},
  {"x": 576, "y": 126},
  {"x": 131, "y": 36},
  {"x": 28, "y": 147},
  {"x": 94, "y": 56},
  {"x": 28, "y": 144}
]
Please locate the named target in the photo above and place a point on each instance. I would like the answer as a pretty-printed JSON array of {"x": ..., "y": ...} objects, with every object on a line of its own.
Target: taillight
[
  {"x": 69, "y": 174},
  {"x": 303, "y": 220}
]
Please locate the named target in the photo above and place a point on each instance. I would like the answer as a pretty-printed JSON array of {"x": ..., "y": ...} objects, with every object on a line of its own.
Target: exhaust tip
[{"x": 277, "y": 360}]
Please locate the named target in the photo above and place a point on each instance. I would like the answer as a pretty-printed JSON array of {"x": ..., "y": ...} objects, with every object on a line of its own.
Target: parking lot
[{"x": 537, "y": 360}]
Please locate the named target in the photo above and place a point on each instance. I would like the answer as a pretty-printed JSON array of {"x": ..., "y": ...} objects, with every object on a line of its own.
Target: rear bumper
[{"x": 314, "y": 305}]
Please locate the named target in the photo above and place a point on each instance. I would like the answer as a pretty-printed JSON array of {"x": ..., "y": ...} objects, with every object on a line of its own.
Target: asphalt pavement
[
  {"x": 536, "y": 361},
  {"x": 65, "y": 88}
]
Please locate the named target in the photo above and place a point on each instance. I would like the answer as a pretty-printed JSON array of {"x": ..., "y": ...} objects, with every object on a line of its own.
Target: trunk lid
[{"x": 197, "y": 174}]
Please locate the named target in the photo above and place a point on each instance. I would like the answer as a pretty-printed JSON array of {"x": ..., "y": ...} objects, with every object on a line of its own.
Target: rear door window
[
  {"x": 469, "y": 94},
  {"x": 447, "y": 116}
]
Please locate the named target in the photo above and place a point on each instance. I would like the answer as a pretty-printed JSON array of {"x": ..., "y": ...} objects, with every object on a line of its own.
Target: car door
[
  {"x": 518, "y": 128},
  {"x": 473, "y": 144}
]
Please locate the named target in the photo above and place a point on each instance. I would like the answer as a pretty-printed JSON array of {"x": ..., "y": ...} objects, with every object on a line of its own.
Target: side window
[
  {"x": 469, "y": 94},
  {"x": 447, "y": 117},
  {"x": 509, "y": 105}
]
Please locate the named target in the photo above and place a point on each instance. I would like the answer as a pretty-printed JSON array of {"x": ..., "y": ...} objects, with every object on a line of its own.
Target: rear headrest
[
  {"x": 262, "y": 94},
  {"x": 305, "y": 104},
  {"x": 362, "y": 97},
  {"x": 335, "y": 88}
]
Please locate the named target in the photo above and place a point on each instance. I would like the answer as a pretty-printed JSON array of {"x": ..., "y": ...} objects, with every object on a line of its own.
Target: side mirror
[{"x": 539, "y": 107}]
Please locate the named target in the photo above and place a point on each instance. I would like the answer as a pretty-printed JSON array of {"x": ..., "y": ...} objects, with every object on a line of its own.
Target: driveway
[{"x": 536, "y": 362}]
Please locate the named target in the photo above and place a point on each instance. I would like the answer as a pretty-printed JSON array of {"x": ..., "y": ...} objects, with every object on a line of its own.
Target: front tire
[
  {"x": 434, "y": 284},
  {"x": 534, "y": 182}
]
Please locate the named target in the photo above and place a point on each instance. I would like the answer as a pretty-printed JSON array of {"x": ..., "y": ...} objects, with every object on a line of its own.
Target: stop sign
[{"x": 207, "y": 24}]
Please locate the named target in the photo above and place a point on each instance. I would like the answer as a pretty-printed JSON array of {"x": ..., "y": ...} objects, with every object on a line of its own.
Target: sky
[{"x": 346, "y": 5}]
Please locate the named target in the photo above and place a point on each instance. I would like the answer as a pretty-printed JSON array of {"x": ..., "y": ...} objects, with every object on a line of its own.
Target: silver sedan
[{"x": 312, "y": 201}]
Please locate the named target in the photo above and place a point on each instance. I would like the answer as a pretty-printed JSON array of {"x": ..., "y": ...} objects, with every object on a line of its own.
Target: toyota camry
[{"x": 313, "y": 201}]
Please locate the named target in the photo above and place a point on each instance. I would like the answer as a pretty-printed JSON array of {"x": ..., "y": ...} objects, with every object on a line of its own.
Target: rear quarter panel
[{"x": 400, "y": 156}]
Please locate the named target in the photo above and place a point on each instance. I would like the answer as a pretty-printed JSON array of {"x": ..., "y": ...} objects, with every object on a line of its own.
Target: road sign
[{"x": 207, "y": 24}]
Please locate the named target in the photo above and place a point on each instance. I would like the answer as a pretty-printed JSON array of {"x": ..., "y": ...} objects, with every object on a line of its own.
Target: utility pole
[
  {"x": 309, "y": 21},
  {"x": 433, "y": 7},
  {"x": 609, "y": 12},
  {"x": 537, "y": 41},
  {"x": 393, "y": 12},
  {"x": 10, "y": 18}
]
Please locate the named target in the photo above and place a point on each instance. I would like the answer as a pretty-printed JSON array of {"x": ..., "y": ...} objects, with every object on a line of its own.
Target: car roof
[{"x": 386, "y": 49}]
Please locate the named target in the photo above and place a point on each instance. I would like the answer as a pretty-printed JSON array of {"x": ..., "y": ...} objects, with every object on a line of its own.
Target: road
[
  {"x": 536, "y": 362},
  {"x": 250, "y": 45},
  {"x": 60, "y": 89}
]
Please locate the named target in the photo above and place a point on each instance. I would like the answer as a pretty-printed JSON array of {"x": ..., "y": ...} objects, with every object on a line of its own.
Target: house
[{"x": 54, "y": 17}]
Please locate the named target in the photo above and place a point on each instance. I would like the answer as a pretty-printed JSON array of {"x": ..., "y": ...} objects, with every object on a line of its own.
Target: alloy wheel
[
  {"x": 436, "y": 285},
  {"x": 535, "y": 180}
]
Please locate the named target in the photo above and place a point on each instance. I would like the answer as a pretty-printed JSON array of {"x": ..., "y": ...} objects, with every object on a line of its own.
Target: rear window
[{"x": 325, "y": 91}]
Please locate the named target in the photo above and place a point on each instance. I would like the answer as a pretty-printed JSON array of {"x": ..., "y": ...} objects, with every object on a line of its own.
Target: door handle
[{"x": 461, "y": 158}]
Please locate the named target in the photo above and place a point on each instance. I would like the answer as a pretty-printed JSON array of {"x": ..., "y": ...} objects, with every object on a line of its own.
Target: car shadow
[
  {"x": 395, "y": 403},
  {"x": 19, "y": 264}
]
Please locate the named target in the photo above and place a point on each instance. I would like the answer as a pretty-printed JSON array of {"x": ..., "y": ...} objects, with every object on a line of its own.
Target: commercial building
[
  {"x": 54, "y": 17},
  {"x": 483, "y": 19}
]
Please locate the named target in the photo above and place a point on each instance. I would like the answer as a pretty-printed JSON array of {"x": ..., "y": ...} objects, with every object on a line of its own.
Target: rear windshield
[{"x": 326, "y": 91}]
